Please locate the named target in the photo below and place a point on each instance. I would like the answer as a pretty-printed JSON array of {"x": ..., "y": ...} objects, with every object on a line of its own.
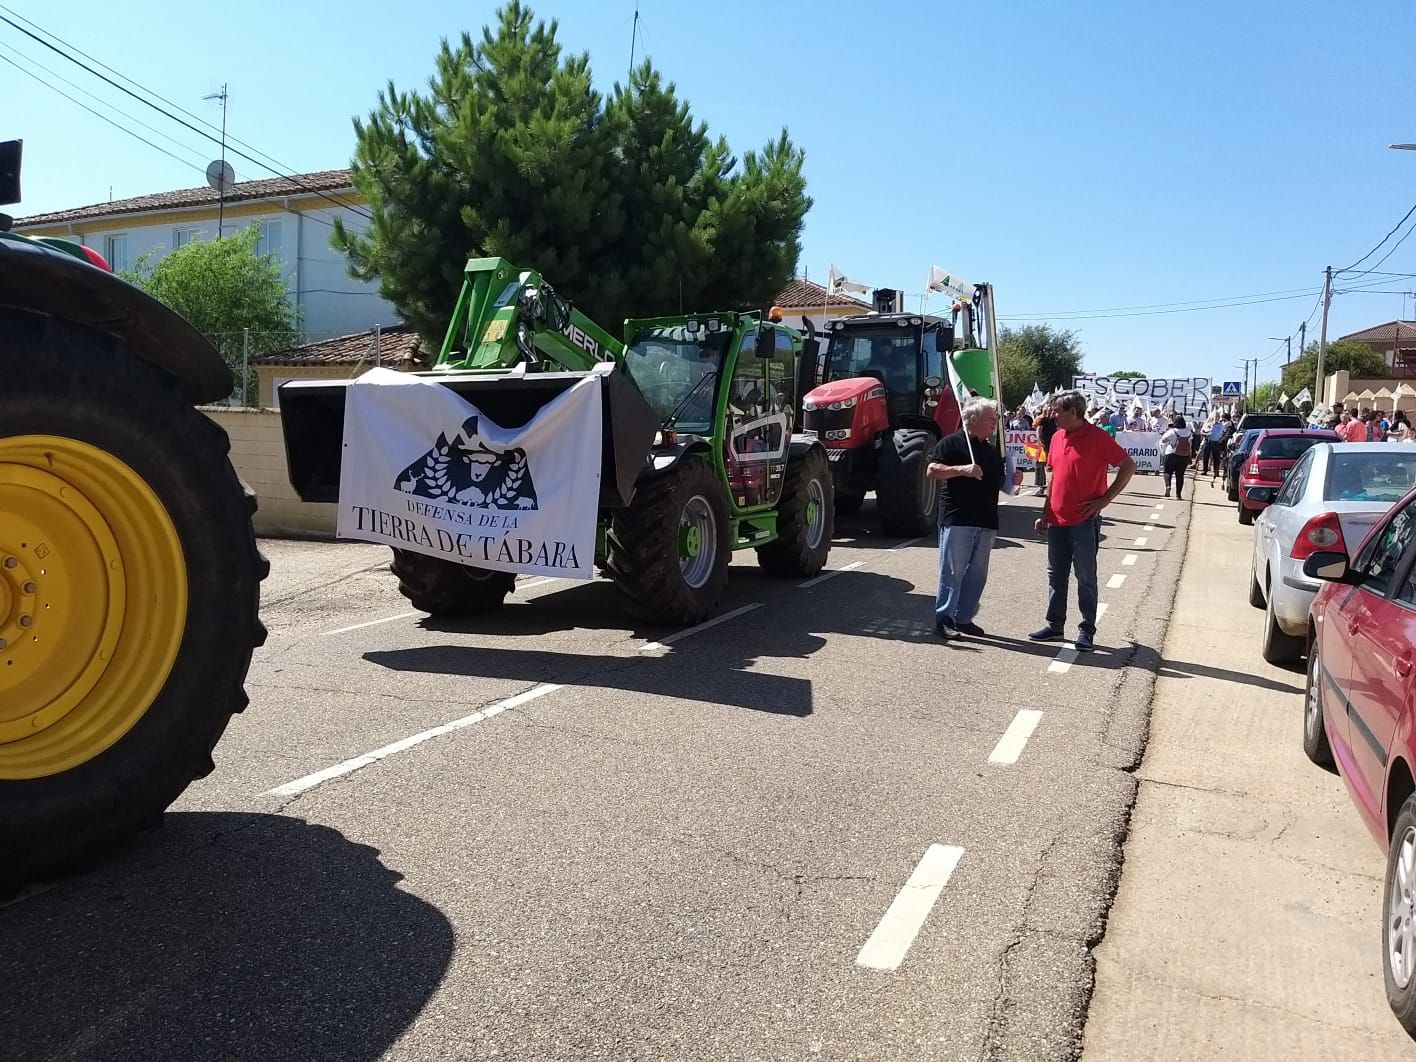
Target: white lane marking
[
  {"x": 1155, "y": 516},
  {"x": 373, "y": 623},
  {"x": 1128, "y": 560},
  {"x": 1063, "y": 664},
  {"x": 1158, "y": 505},
  {"x": 537, "y": 582},
  {"x": 669, "y": 639},
  {"x": 1101, "y": 610},
  {"x": 1142, "y": 540},
  {"x": 1010, "y": 745},
  {"x": 886, "y": 948},
  {"x": 309, "y": 781},
  {"x": 830, "y": 575},
  {"x": 907, "y": 542},
  {"x": 1114, "y": 583}
]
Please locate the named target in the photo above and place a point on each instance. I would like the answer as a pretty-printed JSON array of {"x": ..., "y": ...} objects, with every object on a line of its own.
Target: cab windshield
[
  {"x": 891, "y": 356},
  {"x": 671, "y": 366}
]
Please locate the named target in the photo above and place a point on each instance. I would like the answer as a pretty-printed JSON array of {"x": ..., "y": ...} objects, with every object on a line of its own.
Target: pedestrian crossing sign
[{"x": 1233, "y": 389}]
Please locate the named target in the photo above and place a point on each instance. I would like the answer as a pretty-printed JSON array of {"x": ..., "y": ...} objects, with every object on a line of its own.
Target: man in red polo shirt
[{"x": 1079, "y": 457}]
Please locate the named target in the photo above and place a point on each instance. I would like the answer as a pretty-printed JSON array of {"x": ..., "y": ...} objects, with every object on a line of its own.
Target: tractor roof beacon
[
  {"x": 129, "y": 575},
  {"x": 684, "y": 397}
]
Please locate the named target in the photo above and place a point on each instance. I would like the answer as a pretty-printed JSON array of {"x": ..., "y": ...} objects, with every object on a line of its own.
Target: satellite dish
[{"x": 220, "y": 175}]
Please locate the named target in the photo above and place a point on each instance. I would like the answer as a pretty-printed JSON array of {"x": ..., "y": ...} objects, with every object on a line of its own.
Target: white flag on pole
[
  {"x": 952, "y": 283},
  {"x": 1303, "y": 396},
  {"x": 839, "y": 284},
  {"x": 1283, "y": 399}
]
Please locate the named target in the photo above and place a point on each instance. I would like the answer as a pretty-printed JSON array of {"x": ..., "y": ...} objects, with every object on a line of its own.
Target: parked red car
[
  {"x": 1360, "y": 713},
  {"x": 1275, "y": 451}
]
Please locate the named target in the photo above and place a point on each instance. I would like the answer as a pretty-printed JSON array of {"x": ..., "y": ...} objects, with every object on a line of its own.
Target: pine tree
[{"x": 628, "y": 208}]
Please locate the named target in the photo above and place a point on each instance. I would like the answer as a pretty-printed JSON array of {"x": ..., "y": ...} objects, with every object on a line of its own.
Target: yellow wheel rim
[{"x": 93, "y": 602}]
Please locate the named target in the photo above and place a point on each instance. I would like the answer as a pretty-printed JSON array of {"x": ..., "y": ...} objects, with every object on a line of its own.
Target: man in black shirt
[
  {"x": 1046, "y": 428},
  {"x": 970, "y": 472}
]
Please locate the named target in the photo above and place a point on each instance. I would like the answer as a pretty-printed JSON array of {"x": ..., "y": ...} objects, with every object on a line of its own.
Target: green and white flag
[
  {"x": 1303, "y": 396},
  {"x": 839, "y": 284},
  {"x": 1283, "y": 399}
]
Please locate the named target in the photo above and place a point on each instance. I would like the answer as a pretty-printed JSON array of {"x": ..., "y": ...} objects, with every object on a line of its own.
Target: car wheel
[
  {"x": 1279, "y": 649},
  {"x": 1256, "y": 592},
  {"x": 1315, "y": 739},
  {"x": 1246, "y": 515},
  {"x": 1399, "y": 925}
]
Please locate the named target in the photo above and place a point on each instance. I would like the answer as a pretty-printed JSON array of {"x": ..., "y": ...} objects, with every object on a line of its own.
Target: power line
[
  {"x": 1163, "y": 305},
  {"x": 1084, "y": 316},
  {"x": 200, "y": 132},
  {"x": 96, "y": 114},
  {"x": 1383, "y": 240},
  {"x": 275, "y": 165}
]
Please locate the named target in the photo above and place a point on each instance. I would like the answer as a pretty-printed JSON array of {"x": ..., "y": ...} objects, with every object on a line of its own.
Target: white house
[{"x": 295, "y": 216}]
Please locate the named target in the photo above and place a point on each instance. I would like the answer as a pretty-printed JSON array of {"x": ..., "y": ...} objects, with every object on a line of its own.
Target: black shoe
[
  {"x": 1083, "y": 644},
  {"x": 971, "y": 629},
  {"x": 1046, "y": 634},
  {"x": 945, "y": 632}
]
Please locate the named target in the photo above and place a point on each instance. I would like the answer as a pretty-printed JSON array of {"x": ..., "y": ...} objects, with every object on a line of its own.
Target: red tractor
[{"x": 883, "y": 403}]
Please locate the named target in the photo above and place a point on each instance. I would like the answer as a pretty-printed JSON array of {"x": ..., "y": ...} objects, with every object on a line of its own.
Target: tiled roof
[
  {"x": 1385, "y": 333},
  {"x": 395, "y": 344},
  {"x": 802, "y": 294},
  {"x": 241, "y": 191}
]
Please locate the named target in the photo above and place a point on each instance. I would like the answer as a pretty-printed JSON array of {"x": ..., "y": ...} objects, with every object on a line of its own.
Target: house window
[
  {"x": 182, "y": 237},
  {"x": 115, "y": 252},
  {"x": 268, "y": 240}
]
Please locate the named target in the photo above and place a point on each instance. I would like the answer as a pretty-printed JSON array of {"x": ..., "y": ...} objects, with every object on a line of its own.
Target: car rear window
[
  {"x": 1287, "y": 447},
  {"x": 1375, "y": 477}
]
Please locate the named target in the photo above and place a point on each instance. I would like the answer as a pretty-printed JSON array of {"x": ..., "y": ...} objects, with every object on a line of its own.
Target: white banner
[
  {"x": 1144, "y": 448},
  {"x": 1189, "y": 395},
  {"x": 424, "y": 470},
  {"x": 1016, "y": 441}
]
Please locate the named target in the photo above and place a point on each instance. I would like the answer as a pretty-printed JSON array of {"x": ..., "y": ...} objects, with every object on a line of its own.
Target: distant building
[
  {"x": 293, "y": 215},
  {"x": 340, "y": 358},
  {"x": 1395, "y": 341},
  {"x": 803, "y": 298}
]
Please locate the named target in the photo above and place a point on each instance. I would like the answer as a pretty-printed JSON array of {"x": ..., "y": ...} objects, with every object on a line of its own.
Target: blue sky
[{"x": 1082, "y": 156}]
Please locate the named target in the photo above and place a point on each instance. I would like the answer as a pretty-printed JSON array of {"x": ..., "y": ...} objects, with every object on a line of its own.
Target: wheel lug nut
[
  {"x": 11, "y": 562},
  {"x": 26, "y": 621},
  {"x": 30, "y": 587},
  {"x": 3, "y": 643}
]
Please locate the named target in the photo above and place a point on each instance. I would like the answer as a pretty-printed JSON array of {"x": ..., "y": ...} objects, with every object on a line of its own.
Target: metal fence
[{"x": 238, "y": 349}]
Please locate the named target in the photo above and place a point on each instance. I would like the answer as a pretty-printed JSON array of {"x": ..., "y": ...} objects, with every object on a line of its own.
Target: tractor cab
[{"x": 902, "y": 352}]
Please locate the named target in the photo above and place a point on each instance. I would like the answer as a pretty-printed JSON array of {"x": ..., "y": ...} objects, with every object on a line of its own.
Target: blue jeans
[
  {"x": 1071, "y": 548},
  {"x": 963, "y": 570}
]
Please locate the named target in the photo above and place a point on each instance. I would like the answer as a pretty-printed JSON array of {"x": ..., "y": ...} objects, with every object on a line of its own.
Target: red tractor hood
[{"x": 840, "y": 390}]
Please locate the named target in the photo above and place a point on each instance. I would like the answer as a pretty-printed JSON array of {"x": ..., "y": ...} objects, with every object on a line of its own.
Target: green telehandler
[{"x": 700, "y": 454}]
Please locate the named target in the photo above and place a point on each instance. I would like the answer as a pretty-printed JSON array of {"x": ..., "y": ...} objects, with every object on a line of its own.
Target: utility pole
[
  {"x": 221, "y": 189},
  {"x": 1322, "y": 336},
  {"x": 1302, "y": 337}
]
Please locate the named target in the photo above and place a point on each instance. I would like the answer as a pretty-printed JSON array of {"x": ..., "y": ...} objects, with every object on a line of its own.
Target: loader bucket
[{"x": 312, "y": 416}]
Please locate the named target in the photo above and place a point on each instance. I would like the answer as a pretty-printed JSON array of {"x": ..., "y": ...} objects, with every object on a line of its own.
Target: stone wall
[{"x": 258, "y": 454}]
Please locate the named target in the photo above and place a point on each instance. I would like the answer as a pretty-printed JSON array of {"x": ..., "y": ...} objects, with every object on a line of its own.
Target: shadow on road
[{"x": 225, "y": 936}]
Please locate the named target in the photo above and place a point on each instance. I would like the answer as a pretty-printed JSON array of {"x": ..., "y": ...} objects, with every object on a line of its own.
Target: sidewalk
[{"x": 1247, "y": 924}]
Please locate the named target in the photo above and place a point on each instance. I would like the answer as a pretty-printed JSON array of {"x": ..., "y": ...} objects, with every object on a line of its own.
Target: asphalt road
[{"x": 779, "y": 836}]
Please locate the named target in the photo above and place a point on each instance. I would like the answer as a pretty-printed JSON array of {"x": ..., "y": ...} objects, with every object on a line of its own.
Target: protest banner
[
  {"x": 1187, "y": 395},
  {"x": 1144, "y": 448}
]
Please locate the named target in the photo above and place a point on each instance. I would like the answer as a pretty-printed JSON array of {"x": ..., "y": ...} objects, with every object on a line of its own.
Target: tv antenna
[{"x": 219, "y": 174}]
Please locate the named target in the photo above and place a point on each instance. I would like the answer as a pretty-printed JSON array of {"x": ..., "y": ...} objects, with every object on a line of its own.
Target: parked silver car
[{"x": 1330, "y": 500}]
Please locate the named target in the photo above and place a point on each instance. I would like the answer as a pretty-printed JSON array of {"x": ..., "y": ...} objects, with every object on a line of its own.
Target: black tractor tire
[
  {"x": 103, "y": 403},
  {"x": 442, "y": 588},
  {"x": 643, "y": 546},
  {"x": 907, "y": 499},
  {"x": 1256, "y": 592},
  {"x": 1279, "y": 649},
  {"x": 848, "y": 503},
  {"x": 1315, "y": 739},
  {"x": 1246, "y": 515},
  {"x": 802, "y": 544}
]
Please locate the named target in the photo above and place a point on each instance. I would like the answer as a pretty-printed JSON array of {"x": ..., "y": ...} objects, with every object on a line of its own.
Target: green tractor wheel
[
  {"x": 805, "y": 519},
  {"x": 442, "y": 588},
  {"x": 668, "y": 552},
  {"x": 129, "y": 588}
]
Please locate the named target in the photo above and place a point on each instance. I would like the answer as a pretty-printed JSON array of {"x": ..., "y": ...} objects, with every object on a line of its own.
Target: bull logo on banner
[{"x": 466, "y": 471}]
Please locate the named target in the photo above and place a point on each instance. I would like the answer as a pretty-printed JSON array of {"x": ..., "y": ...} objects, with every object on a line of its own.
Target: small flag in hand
[{"x": 1035, "y": 452}]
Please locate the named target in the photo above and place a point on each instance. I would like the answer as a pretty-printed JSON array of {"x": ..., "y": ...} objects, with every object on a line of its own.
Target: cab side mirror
[
  {"x": 766, "y": 342},
  {"x": 1328, "y": 565}
]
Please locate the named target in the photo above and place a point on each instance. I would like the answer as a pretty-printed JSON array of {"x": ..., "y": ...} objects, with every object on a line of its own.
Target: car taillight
[
  {"x": 1253, "y": 470},
  {"x": 1322, "y": 532}
]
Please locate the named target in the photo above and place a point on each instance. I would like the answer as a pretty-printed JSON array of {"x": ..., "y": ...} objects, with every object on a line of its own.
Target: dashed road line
[
  {"x": 907, "y": 542},
  {"x": 831, "y": 574},
  {"x": 669, "y": 639},
  {"x": 1142, "y": 540},
  {"x": 1129, "y": 559},
  {"x": 887, "y": 946},
  {"x": 1154, "y": 516},
  {"x": 537, "y": 582},
  {"x": 1067, "y": 656},
  {"x": 1114, "y": 583},
  {"x": 309, "y": 781},
  {"x": 372, "y": 623},
  {"x": 1010, "y": 745},
  {"x": 1159, "y": 505}
]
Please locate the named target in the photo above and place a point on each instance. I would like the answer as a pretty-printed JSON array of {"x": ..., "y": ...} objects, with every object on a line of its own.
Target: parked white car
[{"x": 1330, "y": 500}]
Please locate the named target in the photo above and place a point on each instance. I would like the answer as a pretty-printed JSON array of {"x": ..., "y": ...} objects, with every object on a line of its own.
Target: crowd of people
[{"x": 1365, "y": 425}]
